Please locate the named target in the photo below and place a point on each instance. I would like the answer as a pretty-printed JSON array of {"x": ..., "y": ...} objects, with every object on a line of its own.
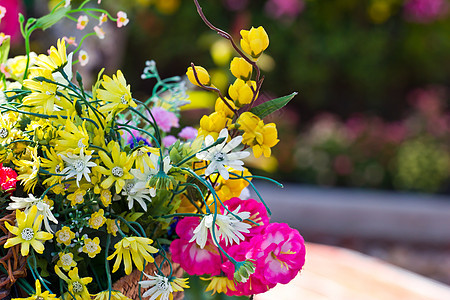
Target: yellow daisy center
[
  {"x": 91, "y": 247},
  {"x": 27, "y": 234},
  {"x": 3, "y": 133},
  {"x": 117, "y": 171},
  {"x": 77, "y": 287}
]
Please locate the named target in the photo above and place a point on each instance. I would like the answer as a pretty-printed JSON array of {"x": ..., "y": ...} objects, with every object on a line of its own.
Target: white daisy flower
[
  {"x": 228, "y": 228},
  {"x": 137, "y": 190},
  {"x": 160, "y": 287},
  {"x": 78, "y": 165},
  {"x": 219, "y": 156},
  {"x": 149, "y": 172},
  {"x": 42, "y": 208}
]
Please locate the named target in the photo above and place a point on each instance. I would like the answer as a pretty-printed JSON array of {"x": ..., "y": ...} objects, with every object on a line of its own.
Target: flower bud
[
  {"x": 241, "y": 69},
  {"x": 243, "y": 270},
  {"x": 202, "y": 75},
  {"x": 254, "y": 41},
  {"x": 241, "y": 92},
  {"x": 221, "y": 107}
]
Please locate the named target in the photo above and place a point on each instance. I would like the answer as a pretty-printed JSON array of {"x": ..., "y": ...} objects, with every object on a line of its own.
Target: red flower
[{"x": 8, "y": 179}]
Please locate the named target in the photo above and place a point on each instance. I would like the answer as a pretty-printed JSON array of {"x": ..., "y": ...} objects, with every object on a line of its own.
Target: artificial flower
[
  {"x": 213, "y": 124},
  {"x": 27, "y": 232},
  {"x": 76, "y": 197},
  {"x": 254, "y": 41},
  {"x": 66, "y": 261},
  {"x": 65, "y": 236},
  {"x": 122, "y": 19},
  {"x": 78, "y": 165},
  {"x": 202, "y": 75},
  {"x": 241, "y": 69},
  {"x": 97, "y": 219},
  {"x": 76, "y": 285},
  {"x": 92, "y": 247},
  {"x": 219, "y": 284},
  {"x": 225, "y": 106},
  {"x": 219, "y": 155},
  {"x": 117, "y": 169},
  {"x": 116, "y": 93},
  {"x": 82, "y": 22},
  {"x": 83, "y": 58},
  {"x": 115, "y": 295},
  {"x": 43, "y": 208},
  {"x": 138, "y": 248},
  {"x": 56, "y": 59},
  {"x": 164, "y": 119},
  {"x": 138, "y": 191},
  {"x": 188, "y": 133},
  {"x": 41, "y": 295},
  {"x": 99, "y": 32},
  {"x": 161, "y": 287},
  {"x": 242, "y": 92}
]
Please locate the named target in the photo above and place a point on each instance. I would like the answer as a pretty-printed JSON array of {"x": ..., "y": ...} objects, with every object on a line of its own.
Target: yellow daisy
[
  {"x": 116, "y": 93},
  {"x": 56, "y": 59},
  {"x": 92, "y": 247},
  {"x": 27, "y": 232},
  {"x": 77, "y": 285},
  {"x": 117, "y": 169},
  {"x": 39, "y": 294},
  {"x": 65, "y": 236},
  {"x": 137, "y": 248}
]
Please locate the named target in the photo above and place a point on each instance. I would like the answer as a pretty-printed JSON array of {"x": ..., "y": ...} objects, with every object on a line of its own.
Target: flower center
[
  {"x": 79, "y": 165},
  {"x": 57, "y": 169},
  {"x": 117, "y": 171},
  {"x": 163, "y": 285},
  {"x": 3, "y": 133},
  {"x": 219, "y": 156},
  {"x": 64, "y": 236},
  {"x": 140, "y": 152},
  {"x": 129, "y": 187},
  {"x": 91, "y": 247},
  {"x": 77, "y": 287},
  {"x": 39, "y": 298},
  {"x": 97, "y": 222},
  {"x": 123, "y": 99},
  {"x": 27, "y": 234},
  {"x": 66, "y": 259}
]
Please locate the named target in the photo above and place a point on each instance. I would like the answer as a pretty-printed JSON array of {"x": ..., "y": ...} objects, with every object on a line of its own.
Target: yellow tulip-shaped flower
[
  {"x": 39, "y": 294},
  {"x": 56, "y": 59},
  {"x": 213, "y": 124},
  {"x": 27, "y": 232},
  {"x": 254, "y": 41},
  {"x": 241, "y": 69},
  {"x": 136, "y": 248},
  {"x": 221, "y": 107},
  {"x": 76, "y": 285},
  {"x": 242, "y": 92},
  {"x": 202, "y": 74},
  {"x": 117, "y": 169},
  {"x": 261, "y": 137},
  {"x": 116, "y": 93}
]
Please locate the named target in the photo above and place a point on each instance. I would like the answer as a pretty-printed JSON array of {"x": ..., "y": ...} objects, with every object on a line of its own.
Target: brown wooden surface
[{"x": 336, "y": 273}]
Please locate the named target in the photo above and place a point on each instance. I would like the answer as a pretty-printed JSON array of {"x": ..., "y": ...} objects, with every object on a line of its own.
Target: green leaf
[
  {"x": 266, "y": 108},
  {"x": 51, "y": 19}
]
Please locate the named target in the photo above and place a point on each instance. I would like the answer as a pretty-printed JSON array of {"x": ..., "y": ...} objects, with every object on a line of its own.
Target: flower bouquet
[{"x": 95, "y": 186}]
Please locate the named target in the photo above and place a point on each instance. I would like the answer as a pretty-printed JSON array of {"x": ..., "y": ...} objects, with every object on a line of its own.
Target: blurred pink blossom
[
  {"x": 9, "y": 23},
  {"x": 164, "y": 119},
  {"x": 284, "y": 8},
  {"x": 169, "y": 141},
  {"x": 188, "y": 133},
  {"x": 425, "y": 11}
]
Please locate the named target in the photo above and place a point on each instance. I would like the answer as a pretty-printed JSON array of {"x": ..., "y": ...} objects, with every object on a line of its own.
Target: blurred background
[{"x": 372, "y": 112}]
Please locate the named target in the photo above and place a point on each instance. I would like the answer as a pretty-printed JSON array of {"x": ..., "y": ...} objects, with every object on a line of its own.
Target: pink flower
[
  {"x": 188, "y": 133},
  {"x": 99, "y": 31},
  {"x": 164, "y": 119},
  {"x": 279, "y": 253},
  {"x": 425, "y": 11},
  {"x": 82, "y": 22},
  {"x": 284, "y": 8},
  {"x": 122, "y": 19},
  {"x": 256, "y": 283},
  {"x": 70, "y": 41},
  {"x": 9, "y": 21},
  {"x": 8, "y": 179},
  {"x": 2, "y": 12},
  {"x": 169, "y": 141},
  {"x": 83, "y": 57},
  {"x": 193, "y": 259},
  {"x": 258, "y": 214},
  {"x": 103, "y": 18}
]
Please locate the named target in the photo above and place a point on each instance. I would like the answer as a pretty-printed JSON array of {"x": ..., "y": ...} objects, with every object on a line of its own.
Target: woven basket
[
  {"x": 128, "y": 285},
  {"x": 13, "y": 261}
]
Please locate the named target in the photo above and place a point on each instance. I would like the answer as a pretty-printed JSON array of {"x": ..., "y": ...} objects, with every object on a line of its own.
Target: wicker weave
[
  {"x": 13, "y": 262},
  {"x": 128, "y": 285}
]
